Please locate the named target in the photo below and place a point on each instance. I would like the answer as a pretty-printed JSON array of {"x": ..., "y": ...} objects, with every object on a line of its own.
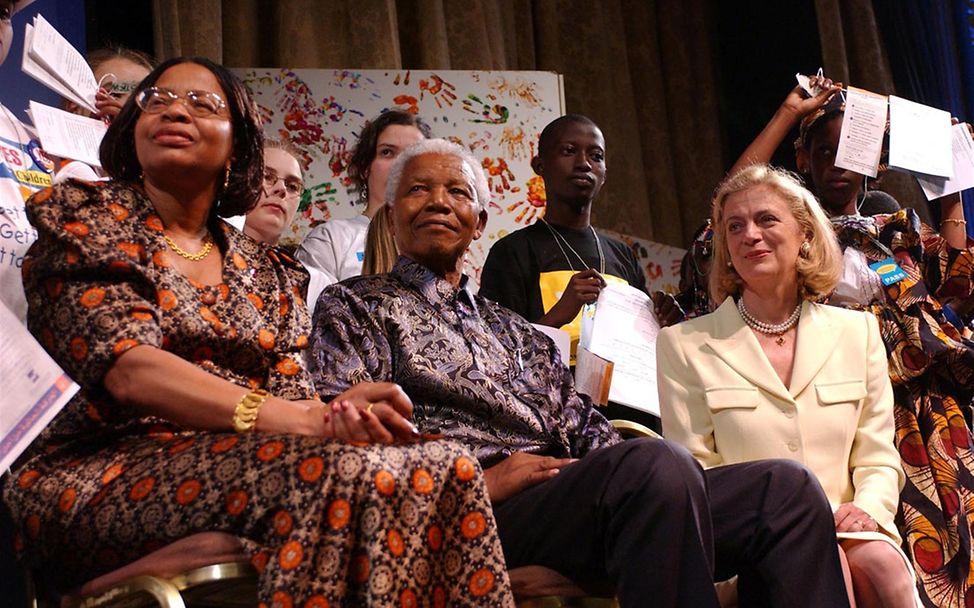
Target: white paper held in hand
[
  {"x": 35, "y": 389},
  {"x": 863, "y": 127},
  {"x": 68, "y": 135},
  {"x": 963, "y": 157},
  {"x": 54, "y": 55},
  {"x": 919, "y": 138},
  {"x": 624, "y": 332}
]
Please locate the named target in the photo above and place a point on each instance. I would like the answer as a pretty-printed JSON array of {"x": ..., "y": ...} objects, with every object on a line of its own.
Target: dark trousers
[{"x": 642, "y": 518}]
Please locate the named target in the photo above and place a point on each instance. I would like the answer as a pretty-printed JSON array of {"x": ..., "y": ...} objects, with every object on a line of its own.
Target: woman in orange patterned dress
[{"x": 182, "y": 331}]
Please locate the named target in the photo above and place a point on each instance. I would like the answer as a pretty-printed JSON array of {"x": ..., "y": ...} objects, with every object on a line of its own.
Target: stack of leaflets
[{"x": 51, "y": 60}]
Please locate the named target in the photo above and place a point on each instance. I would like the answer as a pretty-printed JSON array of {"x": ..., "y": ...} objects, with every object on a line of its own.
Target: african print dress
[
  {"x": 325, "y": 523},
  {"x": 931, "y": 366}
]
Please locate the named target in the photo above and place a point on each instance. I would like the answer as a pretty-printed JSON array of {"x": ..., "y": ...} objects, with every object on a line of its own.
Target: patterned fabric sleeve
[
  {"x": 88, "y": 299},
  {"x": 948, "y": 272},
  {"x": 287, "y": 374},
  {"x": 589, "y": 430},
  {"x": 347, "y": 344}
]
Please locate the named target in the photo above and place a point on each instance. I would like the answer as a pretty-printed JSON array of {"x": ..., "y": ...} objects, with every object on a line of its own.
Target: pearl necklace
[{"x": 770, "y": 329}]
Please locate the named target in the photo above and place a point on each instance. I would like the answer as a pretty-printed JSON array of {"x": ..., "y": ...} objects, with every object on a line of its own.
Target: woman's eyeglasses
[
  {"x": 203, "y": 104},
  {"x": 293, "y": 187}
]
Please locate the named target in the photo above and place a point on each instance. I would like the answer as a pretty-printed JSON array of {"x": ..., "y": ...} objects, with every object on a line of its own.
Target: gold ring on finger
[{"x": 369, "y": 407}]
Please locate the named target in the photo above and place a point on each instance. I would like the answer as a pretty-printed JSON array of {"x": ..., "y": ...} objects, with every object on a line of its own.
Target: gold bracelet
[
  {"x": 245, "y": 416},
  {"x": 954, "y": 220}
]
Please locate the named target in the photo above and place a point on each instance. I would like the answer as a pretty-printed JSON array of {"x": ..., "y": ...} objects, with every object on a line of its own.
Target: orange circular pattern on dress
[
  {"x": 283, "y": 522},
  {"x": 395, "y": 542},
  {"x": 66, "y": 501},
  {"x": 167, "y": 299},
  {"x": 33, "y": 526},
  {"x": 182, "y": 445},
  {"x": 285, "y": 305},
  {"x": 482, "y": 582},
  {"x": 435, "y": 537},
  {"x": 142, "y": 488},
  {"x": 92, "y": 297},
  {"x": 222, "y": 445},
  {"x": 119, "y": 212},
  {"x": 270, "y": 450},
  {"x": 188, "y": 491},
  {"x": 281, "y": 599},
  {"x": 111, "y": 473},
  {"x": 28, "y": 478},
  {"x": 385, "y": 483},
  {"x": 79, "y": 348},
  {"x": 266, "y": 339},
  {"x": 473, "y": 524},
  {"x": 123, "y": 345},
  {"x": 360, "y": 568},
  {"x": 238, "y": 261},
  {"x": 42, "y": 195},
  {"x": 422, "y": 481},
  {"x": 77, "y": 228},
  {"x": 311, "y": 468},
  {"x": 154, "y": 223},
  {"x": 288, "y": 367},
  {"x": 339, "y": 512},
  {"x": 53, "y": 287},
  {"x": 256, "y": 301},
  {"x": 465, "y": 468},
  {"x": 316, "y": 601},
  {"x": 140, "y": 314},
  {"x": 236, "y": 502},
  {"x": 133, "y": 250},
  {"x": 159, "y": 259},
  {"x": 291, "y": 555},
  {"x": 259, "y": 561},
  {"x": 439, "y": 597},
  {"x": 407, "y": 599},
  {"x": 119, "y": 266}
]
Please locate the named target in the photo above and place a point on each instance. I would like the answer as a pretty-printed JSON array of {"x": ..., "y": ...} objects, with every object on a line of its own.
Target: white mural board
[{"x": 496, "y": 115}]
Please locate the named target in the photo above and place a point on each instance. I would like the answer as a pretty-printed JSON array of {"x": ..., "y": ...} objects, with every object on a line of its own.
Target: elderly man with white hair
[{"x": 637, "y": 517}]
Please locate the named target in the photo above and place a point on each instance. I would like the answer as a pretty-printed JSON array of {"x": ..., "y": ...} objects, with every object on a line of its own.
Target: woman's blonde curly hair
[{"x": 818, "y": 269}]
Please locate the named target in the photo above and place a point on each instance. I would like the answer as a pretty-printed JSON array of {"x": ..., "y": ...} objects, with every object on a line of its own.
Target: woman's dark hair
[
  {"x": 119, "y": 159},
  {"x": 368, "y": 140}
]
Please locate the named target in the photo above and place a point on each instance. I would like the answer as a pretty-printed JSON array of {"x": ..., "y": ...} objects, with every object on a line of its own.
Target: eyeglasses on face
[
  {"x": 293, "y": 187},
  {"x": 203, "y": 104}
]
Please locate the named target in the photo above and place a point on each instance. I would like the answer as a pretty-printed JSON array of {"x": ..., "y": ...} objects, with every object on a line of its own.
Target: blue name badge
[
  {"x": 889, "y": 271},
  {"x": 360, "y": 256}
]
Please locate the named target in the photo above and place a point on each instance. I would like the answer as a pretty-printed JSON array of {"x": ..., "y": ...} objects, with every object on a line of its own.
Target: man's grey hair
[{"x": 444, "y": 147}]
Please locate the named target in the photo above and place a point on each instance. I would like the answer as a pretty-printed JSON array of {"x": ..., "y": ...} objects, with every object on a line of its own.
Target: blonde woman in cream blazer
[{"x": 771, "y": 374}]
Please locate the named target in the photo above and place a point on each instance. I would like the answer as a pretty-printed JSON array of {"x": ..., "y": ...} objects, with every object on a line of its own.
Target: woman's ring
[{"x": 369, "y": 407}]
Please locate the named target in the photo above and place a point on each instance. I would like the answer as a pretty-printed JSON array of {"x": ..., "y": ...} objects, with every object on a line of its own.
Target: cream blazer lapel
[
  {"x": 824, "y": 336},
  {"x": 736, "y": 346}
]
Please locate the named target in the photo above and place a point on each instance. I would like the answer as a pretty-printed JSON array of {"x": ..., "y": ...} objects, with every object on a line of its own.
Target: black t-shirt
[{"x": 519, "y": 263}]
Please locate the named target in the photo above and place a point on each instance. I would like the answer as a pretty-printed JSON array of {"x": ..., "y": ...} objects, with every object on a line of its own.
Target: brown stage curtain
[
  {"x": 644, "y": 70},
  {"x": 853, "y": 52}
]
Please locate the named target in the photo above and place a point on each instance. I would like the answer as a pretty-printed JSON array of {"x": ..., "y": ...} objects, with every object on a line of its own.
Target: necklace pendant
[{"x": 780, "y": 340}]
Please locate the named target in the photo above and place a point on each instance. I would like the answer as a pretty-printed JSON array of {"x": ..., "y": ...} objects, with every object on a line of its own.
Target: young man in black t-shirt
[{"x": 549, "y": 270}]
